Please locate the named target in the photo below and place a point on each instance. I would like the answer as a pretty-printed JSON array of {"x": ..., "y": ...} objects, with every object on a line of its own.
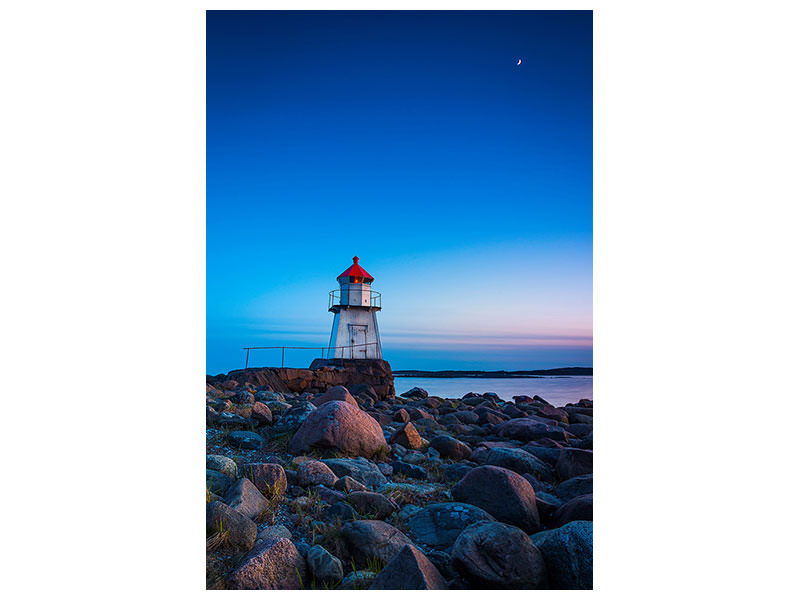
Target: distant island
[{"x": 562, "y": 372}]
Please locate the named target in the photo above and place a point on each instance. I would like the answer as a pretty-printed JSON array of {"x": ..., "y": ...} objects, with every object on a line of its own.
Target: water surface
[{"x": 558, "y": 391}]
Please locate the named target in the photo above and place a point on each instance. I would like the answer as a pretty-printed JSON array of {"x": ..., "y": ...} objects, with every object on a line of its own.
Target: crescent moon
[{"x": 519, "y": 62}]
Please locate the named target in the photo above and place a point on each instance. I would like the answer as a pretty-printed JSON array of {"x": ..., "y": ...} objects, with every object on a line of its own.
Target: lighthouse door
[{"x": 358, "y": 341}]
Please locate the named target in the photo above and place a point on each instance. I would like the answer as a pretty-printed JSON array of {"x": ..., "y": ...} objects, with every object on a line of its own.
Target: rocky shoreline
[{"x": 352, "y": 489}]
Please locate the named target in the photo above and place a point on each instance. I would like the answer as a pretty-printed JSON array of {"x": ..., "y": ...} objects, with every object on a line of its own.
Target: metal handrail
[
  {"x": 284, "y": 348},
  {"x": 335, "y": 298}
]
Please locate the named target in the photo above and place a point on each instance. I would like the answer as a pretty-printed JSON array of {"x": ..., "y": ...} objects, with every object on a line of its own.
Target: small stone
[
  {"x": 314, "y": 472},
  {"x": 323, "y": 565}
]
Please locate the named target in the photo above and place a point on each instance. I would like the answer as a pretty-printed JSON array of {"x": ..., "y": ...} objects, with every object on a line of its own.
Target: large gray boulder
[
  {"x": 241, "y": 532},
  {"x": 337, "y": 393},
  {"x": 573, "y": 462},
  {"x": 519, "y": 461},
  {"x": 261, "y": 413},
  {"x": 580, "y": 508},
  {"x": 438, "y": 525},
  {"x": 246, "y": 440},
  {"x": 223, "y": 464},
  {"x": 274, "y": 564},
  {"x": 449, "y": 447},
  {"x": 293, "y": 418},
  {"x": 362, "y": 470},
  {"x": 567, "y": 553},
  {"x": 323, "y": 565},
  {"x": 217, "y": 482},
  {"x": 491, "y": 555},
  {"x": 314, "y": 472},
  {"x": 269, "y": 478},
  {"x": 244, "y": 498},
  {"x": 341, "y": 426},
  {"x": 377, "y": 506},
  {"x": 529, "y": 429},
  {"x": 370, "y": 540},
  {"x": 505, "y": 495},
  {"x": 576, "y": 486},
  {"x": 409, "y": 570}
]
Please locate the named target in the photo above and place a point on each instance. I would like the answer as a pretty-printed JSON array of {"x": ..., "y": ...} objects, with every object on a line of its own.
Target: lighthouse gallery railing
[
  {"x": 335, "y": 299},
  {"x": 322, "y": 349}
]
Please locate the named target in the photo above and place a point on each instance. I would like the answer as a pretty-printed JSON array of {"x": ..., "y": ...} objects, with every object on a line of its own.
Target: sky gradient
[{"x": 412, "y": 139}]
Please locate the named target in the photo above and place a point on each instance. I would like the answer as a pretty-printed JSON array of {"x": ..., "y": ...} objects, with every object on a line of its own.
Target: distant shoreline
[{"x": 562, "y": 372}]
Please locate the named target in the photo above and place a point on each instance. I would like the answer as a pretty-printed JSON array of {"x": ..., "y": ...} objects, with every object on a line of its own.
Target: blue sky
[{"x": 412, "y": 139}]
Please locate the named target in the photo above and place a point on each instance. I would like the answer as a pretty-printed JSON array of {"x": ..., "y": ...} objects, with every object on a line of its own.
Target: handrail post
[{"x": 247, "y": 358}]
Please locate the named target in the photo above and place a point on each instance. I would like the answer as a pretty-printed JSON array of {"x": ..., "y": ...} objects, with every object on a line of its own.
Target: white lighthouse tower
[{"x": 355, "y": 310}]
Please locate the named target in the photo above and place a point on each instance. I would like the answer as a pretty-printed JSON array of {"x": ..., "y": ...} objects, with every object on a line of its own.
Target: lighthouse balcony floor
[{"x": 337, "y": 307}]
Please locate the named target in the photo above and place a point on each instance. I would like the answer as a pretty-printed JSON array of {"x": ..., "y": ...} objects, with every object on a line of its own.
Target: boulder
[
  {"x": 338, "y": 393},
  {"x": 223, "y": 464},
  {"x": 370, "y": 540},
  {"x": 380, "y": 418},
  {"x": 268, "y": 396},
  {"x": 415, "y": 392},
  {"x": 519, "y": 461},
  {"x": 409, "y": 570},
  {"x": 323, "y": 565},
  {"x": 551, "y": 412},
  {"x": 527, "y": 429},
  {"x": 579, "y": 508},
  {"x": 292, "y": 419},
  {"x": 245, "y": 498},
  {"x": 274, "y": 531},
  {"x": 261, "y": 413},
  {"x": 364, "y": 390},
  {"x": 269, "y": 478},
  {"x": 360, "y": 469},
  {"x": 548, "y": 455},
  {"x": 449, "y": 447},
  {"x": 575, "y": 486},
  {"x": 216, "y": 482},
  {"x": 221, "y": 518},
  {"x": 492, "y": 555},
  {"x": 340, "y": 511},
  {"x": 377, "y": 506},
  {"x": 438, "y": 525},
  {"x": 467, "y": 417},
  {"x": 228, "y": 419},
  {"x": 580, "y": 430},
  {"x": 407, "y": 436},
  {"x": 314, "y": 472},
  {"x": 417, "y": 414},
  {"x": 506, "y": 496},
  {"x": 573, "y": 462},
  {"x": 246, "y": 440},
  {"x": 567, "y": 553},
  {"x": 274, "y": 564},
  {"x": 341, "y": 426},
  {"x": 455, "y": 472},
  {"x": 326, "y": 494},
  {"x": 401, "y": 415},
  {"x": 347, "y": 484},
  {"x": 409, "y": 470}
]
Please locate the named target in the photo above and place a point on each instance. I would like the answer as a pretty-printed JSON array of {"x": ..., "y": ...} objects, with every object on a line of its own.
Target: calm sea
[{"x": 558, "y": 391}]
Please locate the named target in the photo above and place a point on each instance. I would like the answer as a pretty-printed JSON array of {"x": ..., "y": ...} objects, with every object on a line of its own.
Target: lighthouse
[{"x": 355, "y": 309}]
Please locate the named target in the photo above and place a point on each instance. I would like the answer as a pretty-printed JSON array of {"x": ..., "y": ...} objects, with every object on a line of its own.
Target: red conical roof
[{"x": 355, "y": 270}]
